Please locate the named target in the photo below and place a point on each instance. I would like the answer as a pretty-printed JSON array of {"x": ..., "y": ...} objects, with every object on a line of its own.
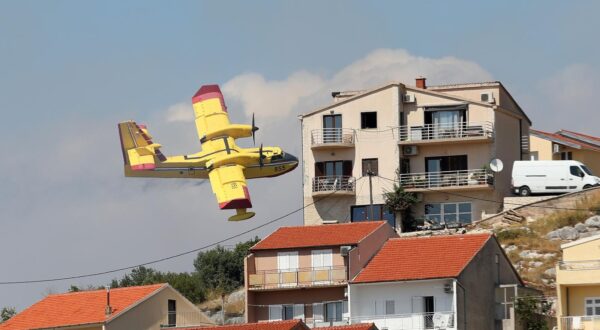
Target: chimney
[
  {"x": 108, "y": 310},
  {"x": 420, "y": 82}
]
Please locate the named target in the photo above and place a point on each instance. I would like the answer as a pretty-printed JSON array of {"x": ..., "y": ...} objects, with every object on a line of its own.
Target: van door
[{"x": 575, "y": 180}]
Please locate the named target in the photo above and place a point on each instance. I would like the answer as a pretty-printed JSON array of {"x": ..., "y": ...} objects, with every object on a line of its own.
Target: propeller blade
[
  {"x": 254, "y": 129},
  {"x": 260, "y": 156}
]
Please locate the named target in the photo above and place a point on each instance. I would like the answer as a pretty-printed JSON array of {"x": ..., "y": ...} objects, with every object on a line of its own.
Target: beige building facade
[
  {"x": 439, "y": 139},
  {"x": 566, "y": 145},
  {"x": 578, "y": 285}
]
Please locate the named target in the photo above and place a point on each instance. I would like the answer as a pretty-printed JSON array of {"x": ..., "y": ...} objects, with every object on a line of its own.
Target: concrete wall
[
  {"x": 584, "y": 251},
  {"x": 151, "y": 313},
  {"x": 267, "y": 260},
  {"x": 541, "y": 147},
  {"x": 480, "y": 279}
]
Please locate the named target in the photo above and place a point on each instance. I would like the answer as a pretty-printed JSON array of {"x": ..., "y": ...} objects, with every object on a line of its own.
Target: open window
[{"x": 368, "y": 120}]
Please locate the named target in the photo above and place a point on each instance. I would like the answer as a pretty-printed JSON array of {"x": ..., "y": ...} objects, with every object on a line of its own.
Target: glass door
[{"x": 332, "y": 128}]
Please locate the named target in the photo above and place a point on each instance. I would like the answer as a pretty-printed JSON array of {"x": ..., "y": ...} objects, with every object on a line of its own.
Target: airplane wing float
[{"x": 220, "y": 160}]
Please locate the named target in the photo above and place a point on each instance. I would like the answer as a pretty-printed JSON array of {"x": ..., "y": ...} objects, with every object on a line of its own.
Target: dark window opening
[
  {"x": 576, "y": 171},
  {"x": 172, "y": 312},
  {"x": 333, "y": 311},
  {"x": 334, "y": 168},
  {"x": 404, "y": 165},
  {"x": 370, "y": 165},
  {"x": 363, "y": 213},
  {"x": 446, "y": 163},
  {"x": 429, "y": 309},
  {"x": 368, "y": 120},
  {"x": 288, "y": 312},
  {"x": 566, "y": 155},
  {"x": 332, "y": 121}
]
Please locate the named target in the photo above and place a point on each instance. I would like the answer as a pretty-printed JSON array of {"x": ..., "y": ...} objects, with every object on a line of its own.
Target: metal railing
[
  {"x": 412, "y": 321},
  {"x": 298, "y": 277},
  {"x": 332, "y": 135},
  {"x": 184, "y": 319},
  {"x": 318, "y": 323},
  {"x": 579, "y": 265},
  {"x": 442, "y": 179},
  {"x": 580, "y": 323},
  {"x": 333, "y": 183},
  {"x": 456, "y": 130}
]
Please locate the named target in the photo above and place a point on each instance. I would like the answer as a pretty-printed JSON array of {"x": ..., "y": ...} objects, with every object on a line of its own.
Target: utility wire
[
  {"x": 493, "y": 201},
  {"x": 56, "y": 279}
]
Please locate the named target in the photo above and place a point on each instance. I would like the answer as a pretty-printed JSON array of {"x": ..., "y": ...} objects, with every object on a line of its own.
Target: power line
[
  {"x": 56, "y": 279},
  {"x": 493, "y": 201}
]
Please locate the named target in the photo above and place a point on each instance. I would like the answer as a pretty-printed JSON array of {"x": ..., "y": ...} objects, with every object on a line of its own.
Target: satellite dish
[{"x": 496, "y": 165}]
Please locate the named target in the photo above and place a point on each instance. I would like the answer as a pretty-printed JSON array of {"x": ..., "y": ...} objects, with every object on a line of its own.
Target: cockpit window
[{"x": 277, "y": 157}]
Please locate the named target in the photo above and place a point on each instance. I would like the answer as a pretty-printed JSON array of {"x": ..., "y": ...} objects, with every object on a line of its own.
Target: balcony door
[
  {"x": 332, "y": 128},
  {"x": 446, "y": 163},
  {"x": 287, "y": 261},
  {"x": 322, "y": 259},
  {"x": 444, "y": 122}
]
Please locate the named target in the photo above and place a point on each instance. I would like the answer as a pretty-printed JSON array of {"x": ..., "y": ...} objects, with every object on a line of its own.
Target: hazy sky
[{"x": 70, "y": 70}]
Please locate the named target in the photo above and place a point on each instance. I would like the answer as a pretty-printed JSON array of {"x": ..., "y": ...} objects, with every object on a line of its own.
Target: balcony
[
  {"x": 412, "y": 321},
  {"x": 580, "y": 323},
  {"x": 340, "y": 184},
  {"x": 480, "y": 179},
  {"x": 471, "y": 132},
  {"x": 298, "y": 278},
  {"x": 181, "y": 319},
  {"x": 332, "y": 138},
  {"x": 578, "y": 272}
]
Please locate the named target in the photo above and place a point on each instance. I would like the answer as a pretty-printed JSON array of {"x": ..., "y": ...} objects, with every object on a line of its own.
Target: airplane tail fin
[{"x": 139, "y": 152}]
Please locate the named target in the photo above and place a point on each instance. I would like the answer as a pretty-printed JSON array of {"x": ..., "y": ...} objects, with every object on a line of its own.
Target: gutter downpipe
[{"x": 456, "y": 282}]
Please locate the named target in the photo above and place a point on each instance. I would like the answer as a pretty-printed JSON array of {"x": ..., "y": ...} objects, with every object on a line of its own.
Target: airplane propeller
[
  {"x": 254, "y": 129},
  {"x": 260, "y": 156}
]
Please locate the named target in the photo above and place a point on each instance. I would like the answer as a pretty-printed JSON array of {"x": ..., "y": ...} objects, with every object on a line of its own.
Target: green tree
[
  {"x": 6, "y": 313},
  {"x": 400, "y": 202},
  {"x": 531, "y": 312}
]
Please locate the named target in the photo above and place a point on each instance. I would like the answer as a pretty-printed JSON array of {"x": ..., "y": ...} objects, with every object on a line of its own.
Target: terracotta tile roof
[
  {"x": 320, "y": 235},
  {"x": 277, "y": 325},
  {"x": 362, "y": 326},
  {"x": 402, "y": 259},
  {"x": 572, "y": 142},
  {"x": 75, "y": 308}
]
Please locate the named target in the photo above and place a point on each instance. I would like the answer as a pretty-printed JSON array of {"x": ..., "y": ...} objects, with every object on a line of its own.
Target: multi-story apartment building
[
  {"x": 302, "y": 272},
  {"x": 566, "y": 145},
  {"x": 578, "y": 285},
  {"x": 439, "y": 139}
]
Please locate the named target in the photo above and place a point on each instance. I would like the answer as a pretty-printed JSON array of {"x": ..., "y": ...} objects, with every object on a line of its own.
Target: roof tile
[
  {"x": 75, "y": 308},
  {"x": 320, "y": 235},
  {"x": 402, "y": 259}
]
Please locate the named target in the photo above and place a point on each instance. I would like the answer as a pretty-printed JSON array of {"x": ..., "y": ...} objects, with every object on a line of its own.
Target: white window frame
[
  {"x": 322, "y": 259},
  {"x": 595, "y": 304},
  {"x": 291, "y": 258},
  {"x": 458, "y": 213}
]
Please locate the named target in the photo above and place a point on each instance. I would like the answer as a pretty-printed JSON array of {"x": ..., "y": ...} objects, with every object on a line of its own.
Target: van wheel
[
  {"x": 524, "y": 191},
  {"x": 587, "y": 186}
]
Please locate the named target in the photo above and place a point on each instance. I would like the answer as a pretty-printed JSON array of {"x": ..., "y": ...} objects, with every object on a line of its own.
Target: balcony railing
[
  {"x": 318, "y": 323},
  {"x": 446, "y": 179},
  {"x": 456, "y": 130},
  {"x": 580, "y": 323},
  {"x": 326, "y": 184},
  {"x": 339, "y": 137},
  {"x": 304, "y": 277},
  {"x": 183, "y": 319},
  {"x": 579, "y": 265},
  {"x": 412, "y": 321}
]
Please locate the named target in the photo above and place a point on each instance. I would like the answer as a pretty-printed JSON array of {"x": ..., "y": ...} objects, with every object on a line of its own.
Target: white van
[{"x": 551, "y": 176}]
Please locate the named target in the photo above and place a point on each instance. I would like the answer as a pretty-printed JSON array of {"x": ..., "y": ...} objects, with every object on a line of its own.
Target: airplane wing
[{"x": 229, "y": 186}]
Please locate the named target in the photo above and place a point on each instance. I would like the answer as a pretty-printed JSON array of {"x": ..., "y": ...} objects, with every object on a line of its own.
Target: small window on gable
[
  {"x": 368, "y": 119},
  {"x": 370, "y": 165}
]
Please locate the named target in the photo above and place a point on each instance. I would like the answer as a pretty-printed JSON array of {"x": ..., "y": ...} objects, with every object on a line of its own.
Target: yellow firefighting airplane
[{"x": 221, "y": 160}]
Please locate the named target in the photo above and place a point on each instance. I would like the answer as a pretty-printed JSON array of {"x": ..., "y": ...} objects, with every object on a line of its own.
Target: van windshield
[{"x": 586, "y": 170}]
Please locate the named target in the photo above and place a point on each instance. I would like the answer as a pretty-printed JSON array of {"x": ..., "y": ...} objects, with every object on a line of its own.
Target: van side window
[{"x": 576, "y": 171}]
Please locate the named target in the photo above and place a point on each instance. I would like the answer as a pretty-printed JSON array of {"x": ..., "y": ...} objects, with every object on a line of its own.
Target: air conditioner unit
[
  {"x": 408, "y": 98},
  {"x": 555, "y": 148},
  {"x": 409, "y": 150},
  {"x": 344, "y": 250},
  {"x": 487, "y": 97},
  {"x": 448, "y": 288}
]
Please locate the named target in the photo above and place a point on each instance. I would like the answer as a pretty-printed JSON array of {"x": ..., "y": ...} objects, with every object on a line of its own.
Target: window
[
  {"x": 446, "y": 163},
  {"x": 592, "y": 306},
  {"x": 534, "y": 155},
  {"x": 172, "y": 312},
  {"x": 368, "y": 120},
  {"x": 362, "y": 213},
  {"x": 390, "y": 308},
  {"x": 334, "y": 168},
  {"x": 566, "y": 155},
  {"x": 333, "y": 311},
  {"x": 370, "y": 164},
  {"x": 288, "y": 312},
  {"x": 586, "y": 170},
  {"x": 322, "y": 259},
  {"x": 576, "y": 171},
  {"x": 332, "y": 128},
  {"x": 448, "y": 213},
  {"x": 287, "y": 261}
]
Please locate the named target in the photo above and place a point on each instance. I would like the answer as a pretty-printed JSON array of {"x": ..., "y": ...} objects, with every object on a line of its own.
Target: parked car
[{"x": 553, "y": 176}]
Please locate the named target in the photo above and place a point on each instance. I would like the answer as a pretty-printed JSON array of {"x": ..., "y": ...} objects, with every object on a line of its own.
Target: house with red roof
[
  {"x": 436, "y": 282},
  {"x": 140, "y": 307},
  {"x": 302, "y": 272},
  {"x": 283, "y": 325},
  {"x": 566, "y": 145}
]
